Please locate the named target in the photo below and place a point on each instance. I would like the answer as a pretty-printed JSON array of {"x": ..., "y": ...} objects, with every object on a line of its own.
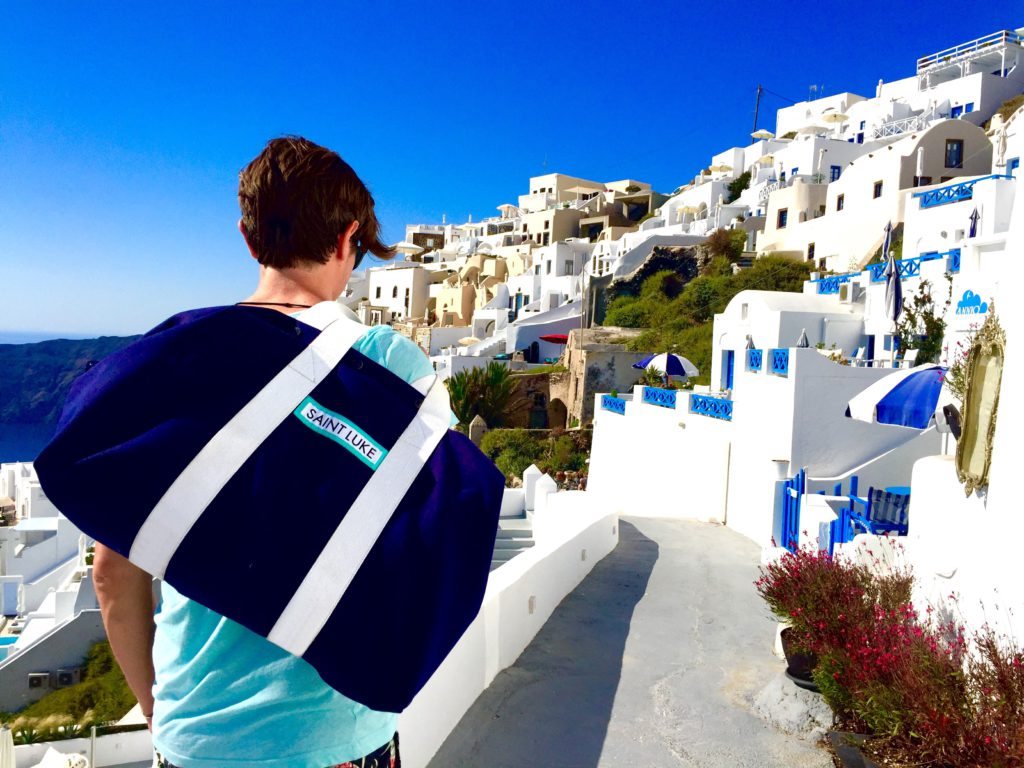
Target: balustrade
[
  {"x": 755, "y": 359},
  {"x": 666, "y": 398},
  {"x": 613, "y": 404},
  {"x": 714, "y": 407},
  {"x": 780, "y": 362}
]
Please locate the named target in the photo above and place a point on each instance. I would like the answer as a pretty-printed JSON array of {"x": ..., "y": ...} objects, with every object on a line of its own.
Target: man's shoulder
[{"x": 398, "y": 353}]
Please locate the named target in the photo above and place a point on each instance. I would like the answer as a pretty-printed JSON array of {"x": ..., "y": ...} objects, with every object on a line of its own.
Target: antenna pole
[{"x": 757, "y": 105}]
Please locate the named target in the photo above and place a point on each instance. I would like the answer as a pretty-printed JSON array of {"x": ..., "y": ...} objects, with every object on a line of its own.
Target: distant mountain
[{"x": 35, "y": 378}]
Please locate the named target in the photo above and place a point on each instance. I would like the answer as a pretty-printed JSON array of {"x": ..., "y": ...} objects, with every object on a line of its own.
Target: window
[
  {"x": 834, "y": 172},
  {"x": 810, "y": 251},
  {"x": 394, "y": 292},
  {"x": 547, "y": 224},
  {"x": 954, "y": 153},
  {"x": 922, "y": 181},
  {"x": 793, "y": 172},
  {"x": 378, "y": 291},
  {"x": 536, "y": 270},
  {"x": 568, "y": 267},
  {"x": 956, "y": 112},
  {"x": 862, "y": 124},
  {"x": 877, "y": 191},
  {"x": 548, "y": 270},
  {"x": 547, "y": 238},
  {"x": 780, "y": 222},
  {"x": 968, "y": 107},
  {"x": 860, "y": 138}
]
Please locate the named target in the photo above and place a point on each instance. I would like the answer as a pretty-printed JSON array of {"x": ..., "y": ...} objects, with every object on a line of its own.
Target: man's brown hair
[{"x": 297, "y": 197}]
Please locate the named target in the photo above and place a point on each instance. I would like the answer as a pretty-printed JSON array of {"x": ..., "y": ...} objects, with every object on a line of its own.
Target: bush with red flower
[{"x": 915, "y": 684}]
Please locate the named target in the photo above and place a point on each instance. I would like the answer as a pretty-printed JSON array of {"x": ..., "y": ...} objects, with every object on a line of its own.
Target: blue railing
[
  {"x": 780, "y": 362},
  {"x": 666, "y": 398},
  {"x": 953, "y": 193},
  {"x": 613, "y": 404},
  {"x": 906, "y": 267},
  {"x": 755, "y": 359},
  {"x": 715, "y": 407},
  {"x": 830, "y": 285}
]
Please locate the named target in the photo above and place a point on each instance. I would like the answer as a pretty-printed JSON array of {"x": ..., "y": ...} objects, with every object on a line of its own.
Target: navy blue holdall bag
[{"x": 267, "y": 470}]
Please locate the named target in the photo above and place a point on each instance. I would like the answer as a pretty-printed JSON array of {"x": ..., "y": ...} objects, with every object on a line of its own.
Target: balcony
[
  {"x": 953, "y": 193},
  {"x": 779, "y": 362},
  {"x": 755, "y": 359},
  {"x": 713, "y": 407},
  {"x": 664, "y": 398},
  {"x": 613, "y": 404},
  {"x": 898, "y": 127},
  {"x": 828, "y": 286},
  {"x": 906, "y": 267},
  {"x": 989, "y": 52}
]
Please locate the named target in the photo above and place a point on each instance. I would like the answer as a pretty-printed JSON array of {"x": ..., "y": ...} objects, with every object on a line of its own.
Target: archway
[{"x": 558, "y": 414}]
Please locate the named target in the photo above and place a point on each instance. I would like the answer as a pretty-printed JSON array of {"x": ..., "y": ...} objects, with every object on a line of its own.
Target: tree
[
  {"x": 922, "y": 325},
  {"x": 484, "y": 391}
]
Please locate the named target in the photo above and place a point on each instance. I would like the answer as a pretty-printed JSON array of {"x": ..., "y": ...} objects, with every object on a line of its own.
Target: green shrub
[{"x": 737, "y": 185}]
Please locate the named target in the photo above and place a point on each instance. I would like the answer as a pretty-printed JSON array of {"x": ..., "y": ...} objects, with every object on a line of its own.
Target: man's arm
[{"x": 125, "y": 594}]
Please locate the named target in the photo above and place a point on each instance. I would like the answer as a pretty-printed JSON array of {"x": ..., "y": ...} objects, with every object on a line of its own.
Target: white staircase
[{"x": 515, "y": 534}]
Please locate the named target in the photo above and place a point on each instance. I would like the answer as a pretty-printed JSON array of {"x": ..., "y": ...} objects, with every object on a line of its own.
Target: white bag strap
[
  {"x": 332, "y": 573},
  {"x": 209, "y": 471}
]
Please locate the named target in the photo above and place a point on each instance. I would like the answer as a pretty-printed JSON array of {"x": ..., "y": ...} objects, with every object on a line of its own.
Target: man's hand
[{"x": 125, "y": 594}]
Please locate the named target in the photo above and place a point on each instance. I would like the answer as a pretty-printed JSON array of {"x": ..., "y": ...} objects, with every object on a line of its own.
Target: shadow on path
[{"x": 553, "y": 706}]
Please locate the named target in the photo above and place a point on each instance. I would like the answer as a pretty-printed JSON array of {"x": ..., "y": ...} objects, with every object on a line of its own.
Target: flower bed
[{"x": 922, "y": 691}]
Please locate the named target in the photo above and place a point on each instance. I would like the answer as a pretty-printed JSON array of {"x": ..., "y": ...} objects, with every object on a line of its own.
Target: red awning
[{"x": 556, "y": 338}]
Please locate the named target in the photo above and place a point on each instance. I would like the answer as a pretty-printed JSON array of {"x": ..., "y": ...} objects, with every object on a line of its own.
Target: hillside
[
  {"x": 36, "y": 377},
  {"x": 676, "y": 312}
]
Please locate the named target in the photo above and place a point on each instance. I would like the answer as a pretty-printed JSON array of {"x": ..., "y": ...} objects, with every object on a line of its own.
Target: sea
[{"x": 23, "y": 442}]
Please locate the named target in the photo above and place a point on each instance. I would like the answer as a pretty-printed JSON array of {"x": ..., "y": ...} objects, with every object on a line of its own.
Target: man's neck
[{"x": 295, "y": 285}]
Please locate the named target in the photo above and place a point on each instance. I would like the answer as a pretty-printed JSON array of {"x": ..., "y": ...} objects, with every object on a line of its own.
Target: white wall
[
  {"x": 521, "y": 596},
  {"x": 115, "y": 749},
  {"x": 646, "y": 465}
]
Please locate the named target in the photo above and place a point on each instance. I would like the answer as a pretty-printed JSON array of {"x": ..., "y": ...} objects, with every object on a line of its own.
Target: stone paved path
[{"x": 652, "y": 661}]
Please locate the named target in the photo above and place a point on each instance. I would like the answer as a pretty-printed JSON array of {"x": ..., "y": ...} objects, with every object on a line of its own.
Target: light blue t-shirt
[{"x": 227, "y": 697}]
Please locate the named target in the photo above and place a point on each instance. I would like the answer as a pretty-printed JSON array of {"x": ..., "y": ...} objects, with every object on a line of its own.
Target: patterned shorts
[{"x": 385, "y": 757}]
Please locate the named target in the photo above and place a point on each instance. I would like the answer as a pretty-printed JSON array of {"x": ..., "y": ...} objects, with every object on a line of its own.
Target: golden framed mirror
[{"x": 981, "y": 402}]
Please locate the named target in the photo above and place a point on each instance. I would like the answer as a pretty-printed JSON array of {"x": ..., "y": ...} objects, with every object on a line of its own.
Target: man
[{"x": 216, "y": 694}]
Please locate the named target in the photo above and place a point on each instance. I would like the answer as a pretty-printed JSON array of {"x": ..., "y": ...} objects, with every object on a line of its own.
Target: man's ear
[
  {"x": 346, "y": 248},
  {"x": 241, "y": 228}
]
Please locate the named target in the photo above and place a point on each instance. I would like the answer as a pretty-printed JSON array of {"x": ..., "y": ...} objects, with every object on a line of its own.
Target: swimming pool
[{"x": 8, "y": 641}]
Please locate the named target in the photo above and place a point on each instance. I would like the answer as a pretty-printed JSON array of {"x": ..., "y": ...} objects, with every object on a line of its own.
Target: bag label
[{"x": 342, "y": 431}]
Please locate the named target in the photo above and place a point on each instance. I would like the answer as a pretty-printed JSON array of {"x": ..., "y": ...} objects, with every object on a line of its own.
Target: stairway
[{"x": 515, "y": 534}]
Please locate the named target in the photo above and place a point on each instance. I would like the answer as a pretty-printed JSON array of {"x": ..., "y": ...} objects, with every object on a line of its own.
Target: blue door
[{"x": 728, "y": 369}]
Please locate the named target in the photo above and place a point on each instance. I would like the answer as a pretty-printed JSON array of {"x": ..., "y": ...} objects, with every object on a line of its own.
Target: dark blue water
[{"x": 22, "y": 442}]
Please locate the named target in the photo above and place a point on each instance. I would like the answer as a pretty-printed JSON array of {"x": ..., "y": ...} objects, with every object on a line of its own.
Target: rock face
[
  {"x": 685, "y": 261},
  {"x": 36, "y": 378},
  {"x": 793, "y": 710}
]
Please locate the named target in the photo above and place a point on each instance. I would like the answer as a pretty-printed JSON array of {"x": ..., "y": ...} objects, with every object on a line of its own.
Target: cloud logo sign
[{"x": 971, "y": 304}]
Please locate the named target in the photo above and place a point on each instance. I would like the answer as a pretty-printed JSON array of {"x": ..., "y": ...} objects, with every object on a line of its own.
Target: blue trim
[
  {"x": 613, "y": 404},
  {"x": 715, "y": 407},
  {"x": 830, "y": 285},
  {"x": 779, "y": 362},
  {"x": 906, "y": 267},
  {"x": 953, "y": 193},
  {"x": 755, "y": 359},
  {"x": 665, "y": 398}
]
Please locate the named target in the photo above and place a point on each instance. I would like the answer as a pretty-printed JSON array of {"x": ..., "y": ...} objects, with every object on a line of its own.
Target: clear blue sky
[{"x": 122, "y": 128}]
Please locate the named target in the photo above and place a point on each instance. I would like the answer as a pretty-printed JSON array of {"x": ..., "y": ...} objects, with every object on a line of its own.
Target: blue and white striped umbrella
[
  {"x": 669, "y": 364},
  {"x": 907, "y": 398}
]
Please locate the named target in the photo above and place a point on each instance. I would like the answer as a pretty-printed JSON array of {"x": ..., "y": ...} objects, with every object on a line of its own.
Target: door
[
  {"x": 10, "y": 599},
  {"x": 728, "y": 369}
]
